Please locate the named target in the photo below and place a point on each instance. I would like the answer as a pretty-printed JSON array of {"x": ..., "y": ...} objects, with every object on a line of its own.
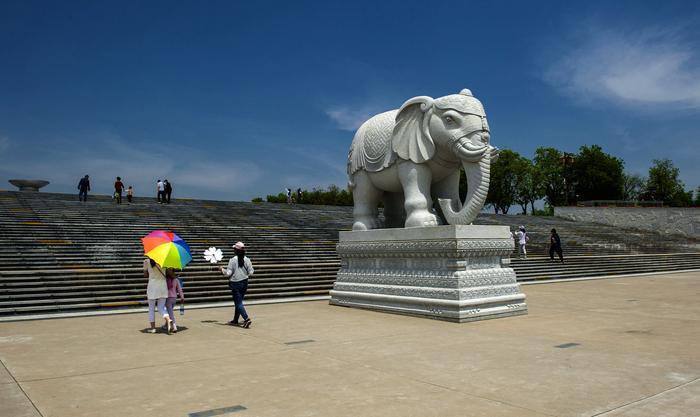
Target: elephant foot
[
  {"x": 421, "y": 220},
  {"x": 366, "y": 224}
]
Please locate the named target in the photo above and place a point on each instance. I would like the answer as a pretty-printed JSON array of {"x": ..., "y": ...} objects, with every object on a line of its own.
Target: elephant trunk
[{"x": 478, "y": 176}]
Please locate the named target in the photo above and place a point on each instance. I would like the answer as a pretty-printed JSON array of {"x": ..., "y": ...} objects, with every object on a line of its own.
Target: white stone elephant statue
[{"x": 407, "y": 157}]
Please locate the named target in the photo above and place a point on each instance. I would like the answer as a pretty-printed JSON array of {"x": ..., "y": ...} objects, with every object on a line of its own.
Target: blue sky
[{"x": 232, "y": 100}]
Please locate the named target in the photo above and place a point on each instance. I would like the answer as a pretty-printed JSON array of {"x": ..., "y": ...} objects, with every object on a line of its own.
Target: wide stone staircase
[{"x": 60, "y": 255}]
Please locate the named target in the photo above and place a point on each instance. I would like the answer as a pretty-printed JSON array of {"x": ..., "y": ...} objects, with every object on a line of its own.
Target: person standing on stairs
[
  {"x": 118, "y": 190},
  {"x": 555, "y": 246},
  {"x": 167, "y": 190},
  {"x": 239, "y": 269},
  {"x": 84, "y": 187},
  {"x": 160, "y": 188},
  {"x": 523, "y": 238},
  {"x": 157, "y": 294}
]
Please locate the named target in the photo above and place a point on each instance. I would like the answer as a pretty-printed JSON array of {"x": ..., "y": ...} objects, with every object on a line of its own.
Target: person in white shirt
[
  {"x": 522, "y": 237},
  {"x": 238, "y": 270},
  {"x": 160, "y": 187},
  {"x": 157, "y": 293}
]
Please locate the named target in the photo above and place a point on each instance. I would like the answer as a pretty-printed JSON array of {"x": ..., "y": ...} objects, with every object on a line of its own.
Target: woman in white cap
[
  {"x": 522, "y": 241},
  {"x": 238, "y": 270}
]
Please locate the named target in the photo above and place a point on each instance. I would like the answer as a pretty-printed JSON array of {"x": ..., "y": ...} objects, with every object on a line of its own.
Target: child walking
[{"x": 174, "y": 289}]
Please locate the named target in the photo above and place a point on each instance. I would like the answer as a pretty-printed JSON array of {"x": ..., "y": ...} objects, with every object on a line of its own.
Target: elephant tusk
[{"x": 466, "y": 151}]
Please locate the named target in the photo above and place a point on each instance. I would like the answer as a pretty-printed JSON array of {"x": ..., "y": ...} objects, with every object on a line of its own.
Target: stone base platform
[{"x": 454, "y": 273}]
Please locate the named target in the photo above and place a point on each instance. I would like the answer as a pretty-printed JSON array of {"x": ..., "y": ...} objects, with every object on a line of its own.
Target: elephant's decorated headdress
[
  {"x": 411, "y": 136},
  {"x": 464, "y": 102}
]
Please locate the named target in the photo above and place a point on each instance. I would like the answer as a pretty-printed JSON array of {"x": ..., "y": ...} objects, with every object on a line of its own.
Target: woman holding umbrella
[
  {"x": 238, "y": 270},
  {"x": 157, "y": 292},
  {"x": 165, "y": 250}
]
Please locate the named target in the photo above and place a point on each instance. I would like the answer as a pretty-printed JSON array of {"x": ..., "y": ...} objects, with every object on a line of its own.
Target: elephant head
[{"x": 455, "y": 128}]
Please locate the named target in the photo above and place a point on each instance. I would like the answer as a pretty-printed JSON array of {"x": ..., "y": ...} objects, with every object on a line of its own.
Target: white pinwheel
[{"x": 213, "y": 255}]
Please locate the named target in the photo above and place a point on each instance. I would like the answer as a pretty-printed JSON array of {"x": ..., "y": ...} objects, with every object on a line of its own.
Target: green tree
[
  {"x": 332, "y": 196},
  {"x": 528, "y": 187},
  {"x": 551, "y": 174},
  {"x": 663, "y": 184},
  {"x": 632, "y": 187},
  {"x": 504, "y": 181},
  {"x": 596, "y": 175}
]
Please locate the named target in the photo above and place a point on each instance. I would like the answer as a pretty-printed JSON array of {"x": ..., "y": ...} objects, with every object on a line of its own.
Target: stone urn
[{"x": 29, "y": 185}]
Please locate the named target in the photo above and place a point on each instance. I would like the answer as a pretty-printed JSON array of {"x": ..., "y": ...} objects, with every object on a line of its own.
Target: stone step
[
  {"x": 48, "y": 242},
  {"x": 19, "y": 288},
  {"x": 140, "y": 292}
]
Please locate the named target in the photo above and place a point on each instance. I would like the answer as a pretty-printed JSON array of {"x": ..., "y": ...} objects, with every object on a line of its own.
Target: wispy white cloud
[
  {"x": 350, "y": 119},
  {"x": 655, "y": 67}
]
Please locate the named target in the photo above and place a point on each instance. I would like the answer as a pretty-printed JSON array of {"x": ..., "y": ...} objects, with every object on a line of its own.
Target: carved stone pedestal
[{"x": 453, "y": 273}]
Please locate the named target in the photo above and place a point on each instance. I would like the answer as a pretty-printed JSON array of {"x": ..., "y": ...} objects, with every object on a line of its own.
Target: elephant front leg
[
  {"x": 415, "y": 181},
  {"x": 366, "y": 200}
]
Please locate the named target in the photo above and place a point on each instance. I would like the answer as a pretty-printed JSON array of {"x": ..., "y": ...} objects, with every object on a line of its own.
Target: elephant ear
[{"x": 411, "y": 136}]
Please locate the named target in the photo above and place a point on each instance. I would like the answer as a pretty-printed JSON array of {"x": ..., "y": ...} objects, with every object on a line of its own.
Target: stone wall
[{"x": 680, "y": 221}]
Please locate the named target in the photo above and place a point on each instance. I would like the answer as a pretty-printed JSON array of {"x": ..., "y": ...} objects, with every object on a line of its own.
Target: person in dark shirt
[
  {"x": 167, "y": 192},
  {"x": 118, "y": 189},
  {"x": 84, "y": 187},
  {"x": 298, "y": 195},
  {"x": 555, "y": 246}
]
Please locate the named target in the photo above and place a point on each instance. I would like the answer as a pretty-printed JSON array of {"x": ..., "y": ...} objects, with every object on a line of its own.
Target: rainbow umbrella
[{"x": 167, "y": 249}]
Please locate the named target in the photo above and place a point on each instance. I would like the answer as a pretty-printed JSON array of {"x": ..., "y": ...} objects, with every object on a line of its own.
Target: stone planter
[{"x": 29, "y": 185}]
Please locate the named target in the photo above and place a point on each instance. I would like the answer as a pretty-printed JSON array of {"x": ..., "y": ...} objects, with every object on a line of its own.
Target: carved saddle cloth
[{"x": 371, "y": 146}]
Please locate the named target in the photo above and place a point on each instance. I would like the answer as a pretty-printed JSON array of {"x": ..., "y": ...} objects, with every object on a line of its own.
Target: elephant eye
[{"x": 449, "y": 119}]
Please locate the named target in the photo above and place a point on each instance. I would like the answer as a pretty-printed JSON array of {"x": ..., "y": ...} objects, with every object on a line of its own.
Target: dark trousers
[
  {"x": 118, "y": 196},
  {"x": 129, "y": 198},
  {"x": 166, "y": 196},
  {"x": 238, "y": 290},
  {"x": 82, "y": 195},
  {"x": 557, "y": 249},
  {"x": 161, "y": 196}
]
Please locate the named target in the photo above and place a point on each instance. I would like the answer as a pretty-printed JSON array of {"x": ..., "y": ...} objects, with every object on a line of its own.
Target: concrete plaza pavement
[{"x": 613, "y": 347}]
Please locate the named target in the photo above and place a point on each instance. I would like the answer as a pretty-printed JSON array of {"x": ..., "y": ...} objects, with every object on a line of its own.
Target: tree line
[
  {"x": 562, "y": 179},
  {"x": 331, "y": 196}
]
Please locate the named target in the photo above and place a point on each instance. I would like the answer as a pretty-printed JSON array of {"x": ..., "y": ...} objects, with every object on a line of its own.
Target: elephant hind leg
[
  {"x": 394, "y": 213},
  {"x": 366, "y": 200}
]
